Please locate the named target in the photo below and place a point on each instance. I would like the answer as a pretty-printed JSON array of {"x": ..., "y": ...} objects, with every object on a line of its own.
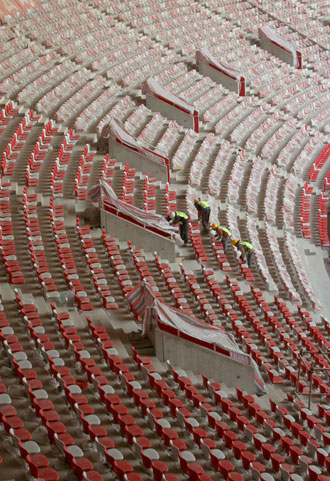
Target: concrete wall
[
  {"x": 198, "y": 359},
  {"x": 278, "y": 52},
  {"x": 150, "y": 241},
  {"x": 217, "y": 76},
  {"x": 170, "y": 112},
  {"x": 137, "y": 161}
]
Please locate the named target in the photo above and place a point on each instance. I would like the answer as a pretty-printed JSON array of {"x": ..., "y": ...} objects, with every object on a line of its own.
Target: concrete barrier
[
  {"x": 150, "y": 241},
  {"x": 198, "y": 359}
]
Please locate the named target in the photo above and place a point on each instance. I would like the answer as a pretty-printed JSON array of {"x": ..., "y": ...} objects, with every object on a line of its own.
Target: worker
[
  {"x": 245, "y": 249},
  {"x": 204, "y": 211},
  {"x": 222, "y": 234},
  {"x": 177, "y": 217}
]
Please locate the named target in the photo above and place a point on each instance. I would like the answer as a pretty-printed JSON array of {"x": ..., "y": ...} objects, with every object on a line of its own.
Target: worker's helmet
[
  {"x": 196, "y": 200},
  {"x": 234, "y": 241},
  {"x": 172, "y": 215},
  {"x": 214, "y": 226}
]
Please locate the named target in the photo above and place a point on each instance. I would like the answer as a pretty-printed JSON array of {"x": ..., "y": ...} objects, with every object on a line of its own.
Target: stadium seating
[{"x": 83, "y": 392}]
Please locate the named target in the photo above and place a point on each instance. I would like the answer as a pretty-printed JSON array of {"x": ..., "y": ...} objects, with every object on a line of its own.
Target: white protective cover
[
  {"x": 204, "y": 55},
  {"x": 138, "y": 216},
  {"x": 270, "y": 34},
  {"x": 154, "y": 88}
]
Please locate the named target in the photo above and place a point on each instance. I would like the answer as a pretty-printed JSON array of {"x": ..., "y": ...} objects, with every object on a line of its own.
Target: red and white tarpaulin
[
  {"x": 155, "y": 89},
  {"x": 153, "y": 222},
  {"x": 170, "y": 319},
  {"x": 205, "y": 56},
  {"x": 269, "y": 34}
]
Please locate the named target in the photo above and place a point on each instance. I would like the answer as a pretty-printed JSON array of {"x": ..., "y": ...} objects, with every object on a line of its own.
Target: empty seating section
[
  {"x": 108, "y": 169},
  {"x": 286, "y": 131},
  {"x": 169, "y": 139},
  {"x": 30, "y": 450},
  {"x": 77, "y": 400},
  {"x": 289, "y": 200},
  {"x": 62, "y": 162},
  {"x": 95, "y": 45},
  {"x": 322, "y": 218},
  {"x": 66, "y": 257},
  {"x": 149, "y": 194},
  {"x": 118, "y": 111},
  {"x": 93, "y": 111},
  {"x": 8, "y": 250},
  {"x": 289, "y": 96},
  {"x": 263, "y": 266},
  {"x": 14, "y": 146},
  {"x": 57, "y": 21},
  {"x": 258, "y": 137},
  {"x": 272, "y": 187},
  {"x": 218, "y": 109},
  {"x": 120, "y": 51},
  {"x": 95, "y": 267},
  {"x": 10, "y": 44},
  {"x": 246, "y": 125},
  {"x": 321, "y": 121},
  {"x": 40, "y": 85},
  {"x": 202, "y": 160},
  {"x": 117, "y": 263},
  {"x": 184, "y": 150},
  {"x": 6, "y": 113},
  {"x": 310, "y": 150},
  {"x": 170, "y": 199},
  {"x": 319, "y": 163},
  {"x": 301, "y": 22},
  {"x": 39, "y": 153},
  {"x": 173, "y": 286},
  {"x": 253, "y": 188},
  {"x": 301, "y": 100},
  {"x": 206, "y": 103},
  {"x": 272, "y": 91},
  {"x": 48, "y": 102},
  {"x": 127, "y": 192},
  {"x": 196, "y": 240},
  {"x": 83, "y": 173},
  {"x": 137, "y": 119},
  {"x": 306, "y": 210},
  {"x": 259, "y": 66},
  {"x": 142, "y": 66},
  {"x": 36, "y": 245},
  {"x": 291, "y": 244},
  {"x": 280, "y": 264},
  {"x": 288, "y": 153},
  {"x": 152, "y": 130},
  {"x": 78, "y": 100},
  {"x": 188, "y": 83},
  {"x": 25, "y": 75},
  {"x": 236, "y": 177},
  {"x": 17, "y": 60},
  {"x": 216, "y": 177},
  {"x": 202, "y": 298}
]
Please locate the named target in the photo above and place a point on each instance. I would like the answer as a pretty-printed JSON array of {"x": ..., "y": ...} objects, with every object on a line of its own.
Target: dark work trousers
[
  {"x": 249, "y": 258},
  {"x": 205, "y": 218},
  {"x": 184, "y": 230}
]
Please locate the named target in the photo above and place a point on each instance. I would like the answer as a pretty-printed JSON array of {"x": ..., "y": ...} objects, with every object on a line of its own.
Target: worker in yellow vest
[
  {"x": 204, "y": 210},
  {"x": 222, "y": 234},
  {"x": 177, "y": 217},
  {"x": 245, "y": 249}
]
